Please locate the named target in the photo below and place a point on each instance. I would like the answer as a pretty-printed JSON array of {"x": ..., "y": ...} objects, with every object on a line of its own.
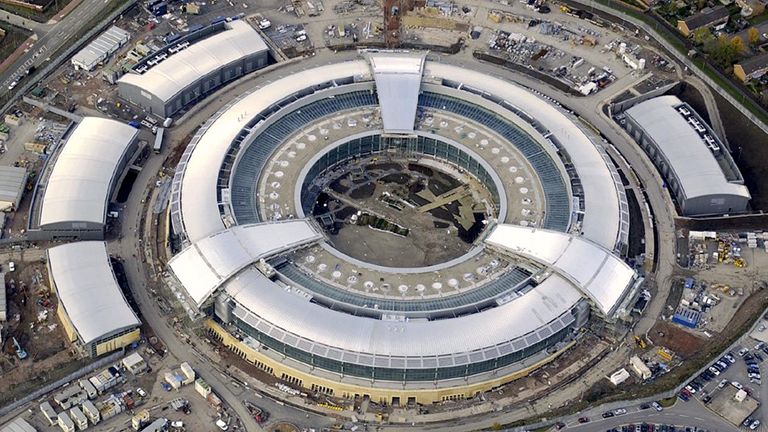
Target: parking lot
[{"x": 719, "y": 387}]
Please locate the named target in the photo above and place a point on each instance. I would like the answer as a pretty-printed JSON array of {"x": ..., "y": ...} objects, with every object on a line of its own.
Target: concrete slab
[{"x": 726, "y": 406}]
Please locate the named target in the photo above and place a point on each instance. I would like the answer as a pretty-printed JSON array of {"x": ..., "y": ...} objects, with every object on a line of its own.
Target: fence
[{"x": 53, "y": 386}]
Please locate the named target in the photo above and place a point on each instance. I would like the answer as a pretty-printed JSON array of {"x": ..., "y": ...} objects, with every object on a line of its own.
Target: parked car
[
  {"x": 737, "y": 385},
  {"x": 607, "y": 414},
  {"x": 755, "y": 424},
  {"x": 743, "y": 352},
  {"x": 619, "y": 411},
  {"x": 656, "y": 406},
  {"x": 583, "y": 419},
  {"x": 714, "y": 371}
]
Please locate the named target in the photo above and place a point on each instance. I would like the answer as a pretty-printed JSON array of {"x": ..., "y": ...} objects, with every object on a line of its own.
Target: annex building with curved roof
[
  {"x": 92, "y": 307},
  {"x": 184, "y": 73},
  {"x": 256, "y": 260},
  {"x": 74, "y": 191},
  {"x": 699, "y": 170}
]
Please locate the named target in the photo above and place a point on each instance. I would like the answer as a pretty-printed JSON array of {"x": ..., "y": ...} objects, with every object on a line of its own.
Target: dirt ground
[
  {"x": 682, "y": 342},
  {"x": 14, "y": 36},
  {"x": 33, "y": 322},
  {"x": 748, "y": 144}
]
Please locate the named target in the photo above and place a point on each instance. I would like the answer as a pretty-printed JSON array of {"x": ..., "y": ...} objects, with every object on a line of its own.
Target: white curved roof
[
  {"x": 87, "y": 289},
  {"x": 179, "y": 70},
  {"x": 78, "y": 188},
  {"x": 601, "y": 220},
  {"x": 199, "y": 203},
  {"x": 694, "y": 164},
  {"x": 398, "y": 81},
  {"x": 600, "y": 274},
  {"x": 296, "y": 315},
  {"x": 206, "y": 264}
]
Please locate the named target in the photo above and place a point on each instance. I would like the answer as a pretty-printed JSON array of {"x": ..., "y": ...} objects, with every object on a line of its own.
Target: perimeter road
[
  {"x": 51, "y": 39},
  {"x": 130, "y": 249}
]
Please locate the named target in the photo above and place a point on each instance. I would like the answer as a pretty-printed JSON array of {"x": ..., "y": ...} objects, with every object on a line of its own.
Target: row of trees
[{"x": 724, "y": 50}]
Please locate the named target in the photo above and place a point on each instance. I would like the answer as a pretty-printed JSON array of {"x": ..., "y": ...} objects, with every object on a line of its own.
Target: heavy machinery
[
  {"x": 640, "y": 342},
  {"x": 20, "y": 353}
]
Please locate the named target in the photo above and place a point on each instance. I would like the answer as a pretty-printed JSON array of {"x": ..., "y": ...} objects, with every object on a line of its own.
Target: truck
[
  {"x": 258, "y": 414},
  {"x": 158, "y": 147}
]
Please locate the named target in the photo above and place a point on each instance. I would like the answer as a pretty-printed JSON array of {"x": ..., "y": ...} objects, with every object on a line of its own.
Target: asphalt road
[
  {"x": 50, "y": 37},
  {"x": 128, "y": 248}
]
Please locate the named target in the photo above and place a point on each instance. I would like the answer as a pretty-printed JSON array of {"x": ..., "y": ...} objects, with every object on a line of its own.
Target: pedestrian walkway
[
  {"x": 16, "y": 54},
  {"x": 23, "y": 22}
]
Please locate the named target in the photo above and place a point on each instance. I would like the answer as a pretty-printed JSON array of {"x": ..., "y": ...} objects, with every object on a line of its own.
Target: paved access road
[
  {"x": 50, "y": 37},
  {"x": 130, "y": 248}
]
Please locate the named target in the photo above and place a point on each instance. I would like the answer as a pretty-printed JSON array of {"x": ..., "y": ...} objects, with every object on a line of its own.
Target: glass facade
[{"x": 399, "y": 374}]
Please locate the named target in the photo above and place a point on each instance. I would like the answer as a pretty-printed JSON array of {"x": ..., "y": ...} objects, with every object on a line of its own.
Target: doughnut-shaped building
[{"x": 296, "y": 299}]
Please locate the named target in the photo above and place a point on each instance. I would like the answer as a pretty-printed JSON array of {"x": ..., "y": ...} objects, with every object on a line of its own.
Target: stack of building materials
[
  {"x": 640, "y": 367},
  {"x": 189, "y": 373},
  {"x": 202, "y": 387},
  {"x": 135, "y": 363},
  {"x": 49, "y": 413},
  {"x": 88, "y": 388},
  {"x": 78, "y": 418},
  {"x": 174, "y": 380},
  {"x": 140, "y": 419},
  {"x": 156, "y": 426},
  {"x": 90, "y": 410},
  {"x": 619, "y": 376},
  {"x": 104, "y": 381},
  {"x": 110, "y": 408},
  {"x": 72, "y": 395},
  {"x": 65, "y": 423}
]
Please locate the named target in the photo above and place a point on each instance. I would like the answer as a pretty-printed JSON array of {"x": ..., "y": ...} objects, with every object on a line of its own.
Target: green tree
[
  {"x": 753, "y": 35},
  {"x": 722, "y": 51},
  {"x": 738, "y": 45},
  {"x": 702, "y": 36}
]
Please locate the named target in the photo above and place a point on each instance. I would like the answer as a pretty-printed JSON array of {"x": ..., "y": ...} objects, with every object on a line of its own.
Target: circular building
[{"x": 398, "y": 228}]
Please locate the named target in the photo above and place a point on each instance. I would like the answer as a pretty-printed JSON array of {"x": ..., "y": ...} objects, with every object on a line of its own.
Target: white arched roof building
[
  {"x": 91, "y": 303},
  {"x": 85, "y": 171},
  {"x": 570, "y": 267}
]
